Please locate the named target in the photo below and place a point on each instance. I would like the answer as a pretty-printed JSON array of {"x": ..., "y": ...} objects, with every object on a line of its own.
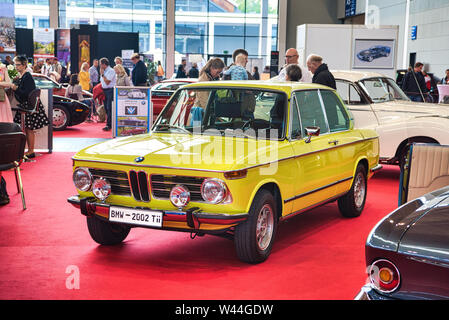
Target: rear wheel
[
  {"x": 106, "y": 233},
  {"x": 351, "y": 204},
  {"x": 61, "y": 118},
  {"x": 254, "y": 238}
]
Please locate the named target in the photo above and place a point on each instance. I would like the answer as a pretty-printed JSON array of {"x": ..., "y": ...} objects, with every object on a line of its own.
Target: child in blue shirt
[{"x": 238, "y": 71}]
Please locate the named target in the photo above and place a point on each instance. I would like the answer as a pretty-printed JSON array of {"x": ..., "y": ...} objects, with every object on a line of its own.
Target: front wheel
[
  {"x": 61, "y": 117},
  {"x": 351, "y": 204},
  {"x": 106, "y": 233},
  {"x": 254, "y": 238}
]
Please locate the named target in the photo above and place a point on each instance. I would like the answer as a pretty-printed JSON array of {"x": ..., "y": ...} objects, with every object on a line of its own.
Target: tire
[
  {"x": 106, "y": 233},
  {"x": 253, "y": 239},
  {"x": 61, "y": 118},
  {"x": 351, "y": 204}
]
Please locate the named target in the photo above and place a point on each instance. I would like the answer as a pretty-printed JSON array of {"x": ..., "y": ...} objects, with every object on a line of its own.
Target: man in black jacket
[
  {"x": 414, "y": 84},
  {"x": 139, "y": 75},
  {"x": 321, "y": 73}
]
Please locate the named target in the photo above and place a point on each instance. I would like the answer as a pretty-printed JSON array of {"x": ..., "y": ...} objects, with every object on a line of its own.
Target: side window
[
  {"x": 348, "y": 93},
  {"x": 296, "y": 124},
  {"x": 336, "y": 114},
  {"x": 310, "y": 110},
  {"x": 343, "y": 90},
  {"x": 354, "y": 96}
]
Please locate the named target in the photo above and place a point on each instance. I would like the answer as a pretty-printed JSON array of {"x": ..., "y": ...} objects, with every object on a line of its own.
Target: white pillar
[
  {"x": 282, "y": 30},
  {"x": 406, "y": 33},
  {"x": 170, "y": 39},
  {"x": 54, "y": 14}
]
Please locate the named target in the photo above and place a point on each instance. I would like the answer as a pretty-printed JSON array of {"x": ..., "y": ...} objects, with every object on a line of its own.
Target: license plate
[{"x": 136, "y": 216}]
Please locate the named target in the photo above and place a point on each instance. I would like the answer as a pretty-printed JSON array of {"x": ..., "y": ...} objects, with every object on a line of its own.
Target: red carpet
[
  {"x": 317, "y": 255},
  {"x": 84, "y": 130}
]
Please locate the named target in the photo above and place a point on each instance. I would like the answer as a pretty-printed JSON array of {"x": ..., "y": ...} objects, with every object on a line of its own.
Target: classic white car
[{"x": 377, "y": 102}]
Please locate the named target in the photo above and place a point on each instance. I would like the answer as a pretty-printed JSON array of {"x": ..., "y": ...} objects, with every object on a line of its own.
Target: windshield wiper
[{"x": 169, "y": 126}]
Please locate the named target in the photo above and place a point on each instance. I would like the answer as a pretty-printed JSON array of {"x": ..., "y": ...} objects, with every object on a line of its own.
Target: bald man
[{"x": 292, "y": 57}]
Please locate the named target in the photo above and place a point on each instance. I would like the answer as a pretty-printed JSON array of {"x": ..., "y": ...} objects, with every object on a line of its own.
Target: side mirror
[{"x": 312, "y": 131}]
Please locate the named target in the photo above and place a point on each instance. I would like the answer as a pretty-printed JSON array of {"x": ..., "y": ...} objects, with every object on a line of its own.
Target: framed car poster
[
  {"x": 374, "y": 54},
  {"x": 132, "y": 112}
]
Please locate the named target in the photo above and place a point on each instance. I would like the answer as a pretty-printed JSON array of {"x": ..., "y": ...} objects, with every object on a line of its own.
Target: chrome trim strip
[
  {"x": 316, "y": 190},
  {"x": 223, "y": 171},
  {"x": 431, "y": 262},
  {"x": 290, "y": 215}
]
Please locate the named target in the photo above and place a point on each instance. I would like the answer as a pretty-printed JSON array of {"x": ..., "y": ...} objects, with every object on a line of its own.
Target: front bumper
[{"x": 190, "y": 220}]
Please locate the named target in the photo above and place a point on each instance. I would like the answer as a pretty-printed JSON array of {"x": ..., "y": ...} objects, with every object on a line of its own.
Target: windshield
[
  {"x": 382, "y": 90},
  {"x": 254, "y": 113}
]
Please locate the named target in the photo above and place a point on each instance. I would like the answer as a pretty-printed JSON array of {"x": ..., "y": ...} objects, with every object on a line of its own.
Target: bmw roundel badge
[{"x": 139, "y": 159}]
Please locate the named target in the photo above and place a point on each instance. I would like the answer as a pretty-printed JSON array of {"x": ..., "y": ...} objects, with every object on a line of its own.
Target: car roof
[
  {"x": 286, "y": 86},
  {"x": 189, "y": 80},
  {"x": 355, "y": 76}
]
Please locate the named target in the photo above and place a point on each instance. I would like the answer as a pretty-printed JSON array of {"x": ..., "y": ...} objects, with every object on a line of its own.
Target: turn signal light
[
  {"x": 236, "y": 174},
  {"x": 384, "y": 276}
]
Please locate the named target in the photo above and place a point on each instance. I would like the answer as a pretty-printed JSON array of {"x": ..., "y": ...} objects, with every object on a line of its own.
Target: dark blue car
[{"x": 374, "y": 53}]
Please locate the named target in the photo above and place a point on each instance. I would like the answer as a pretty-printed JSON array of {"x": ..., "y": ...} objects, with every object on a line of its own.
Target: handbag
[{"x": 32, "y": 103}]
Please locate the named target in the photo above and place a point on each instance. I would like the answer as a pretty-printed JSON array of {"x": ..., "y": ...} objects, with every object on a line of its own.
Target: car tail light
[{"x": 384, "y": 276}]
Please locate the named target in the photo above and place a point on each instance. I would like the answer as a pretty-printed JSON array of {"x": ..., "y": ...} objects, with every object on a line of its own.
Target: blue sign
[
  {"x": 350, "y": 6},
  {"x": 414, "y": 32}
]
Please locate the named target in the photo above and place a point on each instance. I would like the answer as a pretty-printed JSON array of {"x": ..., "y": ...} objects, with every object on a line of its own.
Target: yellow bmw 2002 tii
[{"x": 228, "y": 158}]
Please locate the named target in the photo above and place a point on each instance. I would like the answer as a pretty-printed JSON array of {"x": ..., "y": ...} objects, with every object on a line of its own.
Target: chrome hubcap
[
  {"x": 359, "y": 190},
  {"x": 264, "y": 228},
  {"x": 59, "y": 118}
]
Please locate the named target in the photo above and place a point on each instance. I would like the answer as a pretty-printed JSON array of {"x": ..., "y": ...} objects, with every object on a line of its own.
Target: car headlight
[
  {"x": 101, "y": 189},
  {"x": 82, "y": 179},
  {"x": 214, "y": 191},
  {"x": 180, "y": 196}
]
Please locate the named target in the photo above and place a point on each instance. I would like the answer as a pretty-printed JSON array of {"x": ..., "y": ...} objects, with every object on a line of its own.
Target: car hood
[
  {"x": 428, "y": 236},
  {"x": 414, "y": 109},
  {"x": 184, "y": 151}
]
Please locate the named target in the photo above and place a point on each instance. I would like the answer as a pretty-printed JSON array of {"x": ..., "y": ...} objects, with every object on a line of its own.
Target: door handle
[{"x": 334, "y": 142}]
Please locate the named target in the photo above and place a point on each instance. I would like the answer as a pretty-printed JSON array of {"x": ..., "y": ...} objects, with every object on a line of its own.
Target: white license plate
[{"x": 136, "y": 216}]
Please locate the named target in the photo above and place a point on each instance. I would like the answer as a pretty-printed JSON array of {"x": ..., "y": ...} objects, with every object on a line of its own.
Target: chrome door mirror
[{"x": 312, "y": 131}]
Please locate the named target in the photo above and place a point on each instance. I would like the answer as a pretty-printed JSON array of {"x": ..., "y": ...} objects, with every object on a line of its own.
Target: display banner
[
  {"x": 44, "y": 43},
  {"x": 126, "y": 57},
  {"x": 7, "y": 28},
  {"x": 133, "y": 111},
  {"x": 83, "y": 50},
  {"x": 350, "y": 8},
  {"x": 274, "y": 64},
  {"x": 63, "y": 46}
]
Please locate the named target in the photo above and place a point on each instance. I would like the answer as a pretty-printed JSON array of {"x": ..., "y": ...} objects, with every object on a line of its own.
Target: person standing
[
  {"x": 37, "y": 68},
  {"x": 108, "y": 80},
  {"x": 293, "y": 72},
  {"x": 320, "y": 71},
  {"x": 84, "y": 77},
  {"x": 181, "y": 73},
  {"x": 46, "y": 68},
  {"x": 93, "y": 73},
  {"x": 35, "y": 120},
  {"x": 445, "y": 80},
  {"x": 160, "y": 71},
  {"x": 414, "y": 84},
  {"x": 193, "y": 72},
  {"x": 256, "y": 75},
  {"x": 5, "y": 107},
  {"x": 122, "y": 77},
  {"x": 119, "y": 61},
  {"x": 139, "y": 75},
  {"x": 292, "y": 57}
]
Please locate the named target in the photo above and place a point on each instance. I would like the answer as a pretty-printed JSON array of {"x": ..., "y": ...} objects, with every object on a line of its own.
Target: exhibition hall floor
[{"x": 317, "y": 255}]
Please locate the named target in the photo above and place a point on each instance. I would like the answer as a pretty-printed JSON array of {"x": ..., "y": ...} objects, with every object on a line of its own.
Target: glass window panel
[
  {"x": 229, "y": 44},
  {"x": 310, "y": 110},
  {"x": 228, "y": 29},
  {"x": 337, "y": 117}
]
